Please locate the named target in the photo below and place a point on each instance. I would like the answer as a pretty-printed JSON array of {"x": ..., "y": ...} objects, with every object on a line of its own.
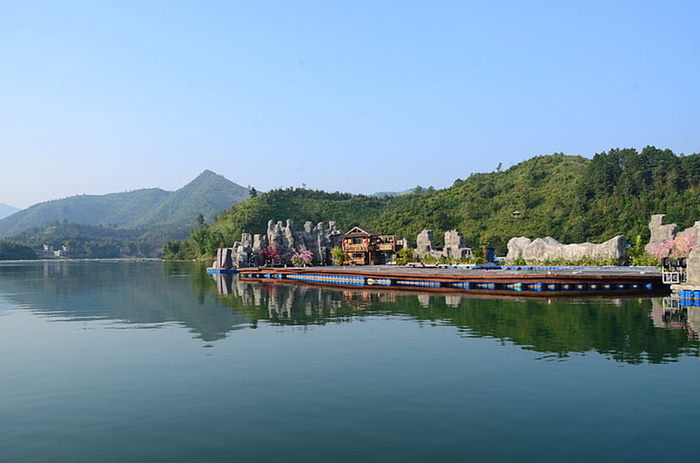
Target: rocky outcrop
[
  {"x": 283, "y": 237},
  {"x": 693, "y": 268},
  {"x": 693, "y": 261},
  {"x": 317, "y": 239},
  {"x": 660, "y": 231},
  {"x": 455, "y": 246},
  {"x": 286, "y": 239},
  {"x": 548, "y": 248},
  {"x": 241, "y": 254},
  {"x": 425, "y": 245},
  {"x": 223, "y": 259},
  {"x": 516, "y": 246}
]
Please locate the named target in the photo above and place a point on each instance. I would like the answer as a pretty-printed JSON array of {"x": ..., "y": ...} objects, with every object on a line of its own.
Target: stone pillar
[
  {"x": 693, "y": 261},
  {"x": 693, "y": 269},
  {"x": 660, "y": 231},
  {"x": 424, "y": 243}
]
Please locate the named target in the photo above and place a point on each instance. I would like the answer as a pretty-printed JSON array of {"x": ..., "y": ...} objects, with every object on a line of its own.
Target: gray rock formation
[
  {"x": 223, "y": 259},
  {"x": 242, "y": 251},
  {"x": 693, "y": 261},
  {"x": 286, "y": 239},
  {"x": 425, "y": 246},
  {"x": 455, "y": 246},
  {"x": 548, "y": 248},
  {"x": 257, "y": 243},
  {"x": 660, "y": 231},
  {"x": 516, "y": 246},
  {"x": 693, "y": 268},
  {"x": 320, "y": 241},
  {"x": 691, "y": 230}
]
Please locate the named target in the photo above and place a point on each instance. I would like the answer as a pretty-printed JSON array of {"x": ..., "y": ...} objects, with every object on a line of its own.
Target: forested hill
[
  {"x": 208, "y": 194},
  {"x": 570, "y": 198}
]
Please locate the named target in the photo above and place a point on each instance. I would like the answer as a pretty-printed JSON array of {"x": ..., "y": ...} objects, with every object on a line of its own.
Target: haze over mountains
[
  {"x": 208, "y": 194},
  {"x": 6, "y": 210}
]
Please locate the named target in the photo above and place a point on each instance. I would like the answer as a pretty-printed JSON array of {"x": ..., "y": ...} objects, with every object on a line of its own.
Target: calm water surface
[{"x": 150, "y": 362}]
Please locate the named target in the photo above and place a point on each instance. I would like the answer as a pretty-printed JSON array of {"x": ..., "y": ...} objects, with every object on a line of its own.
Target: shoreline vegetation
[
  {"x": 10, "y": 250},
  {"x": 571, "y": 198}
]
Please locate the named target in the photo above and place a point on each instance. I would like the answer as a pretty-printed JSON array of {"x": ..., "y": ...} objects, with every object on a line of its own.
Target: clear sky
[{"x": 355, "y": 96}]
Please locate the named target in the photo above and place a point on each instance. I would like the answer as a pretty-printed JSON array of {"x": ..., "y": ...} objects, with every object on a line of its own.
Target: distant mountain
[
  {"x": 208, "y": 194},
  {"x": 6, "y": 210},
  {"x": 391, "y": 194}
]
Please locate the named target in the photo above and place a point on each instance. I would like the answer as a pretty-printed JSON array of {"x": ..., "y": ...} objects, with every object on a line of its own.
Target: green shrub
[
  {"x": 638, "y": 257},
  {"x": 338, "y": 255},
  {"x": 404, "y": 256}
]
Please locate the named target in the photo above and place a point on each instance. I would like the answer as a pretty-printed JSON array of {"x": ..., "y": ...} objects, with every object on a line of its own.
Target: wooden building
[{"x": 366, "y": 247}]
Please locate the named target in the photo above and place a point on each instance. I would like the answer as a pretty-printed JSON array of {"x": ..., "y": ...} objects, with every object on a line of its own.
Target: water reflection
[
  {"x": 142, "y": 294},
  {"x": 153, "y": 294},
  {"x": 626, "y": 330},
  {"x": 667, "y": 313}
]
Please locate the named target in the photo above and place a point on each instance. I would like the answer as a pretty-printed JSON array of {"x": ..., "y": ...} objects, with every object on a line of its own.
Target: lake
[{"x": 153, "y": 361}]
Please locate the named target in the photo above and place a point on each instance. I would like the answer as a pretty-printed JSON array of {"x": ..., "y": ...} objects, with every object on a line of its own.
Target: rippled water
[{"x": 149, "y": 361}]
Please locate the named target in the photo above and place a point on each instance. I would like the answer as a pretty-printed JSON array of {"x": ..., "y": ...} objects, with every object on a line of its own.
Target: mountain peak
[
  {"x": 208, "y": 178},
  {"x": 208, "y": 194},
  {"x": 208, "y": 173}
]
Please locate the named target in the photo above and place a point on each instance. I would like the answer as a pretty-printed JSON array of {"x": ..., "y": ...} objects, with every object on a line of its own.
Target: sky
[{"x": 354, "y": 96}]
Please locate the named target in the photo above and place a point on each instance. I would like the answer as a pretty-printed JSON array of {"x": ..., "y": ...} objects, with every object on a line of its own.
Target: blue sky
[{"x": 363, "y": 96}]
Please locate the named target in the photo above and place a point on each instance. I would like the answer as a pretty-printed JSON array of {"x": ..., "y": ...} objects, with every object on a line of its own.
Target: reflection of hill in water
[
  {"x": 621, "y": 329},
  {"x": 144, "y": 293},
  {"x": 155, "y": 293}
]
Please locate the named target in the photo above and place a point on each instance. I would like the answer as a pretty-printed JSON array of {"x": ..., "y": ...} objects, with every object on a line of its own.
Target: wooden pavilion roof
[{"x": 356, "y": 232}]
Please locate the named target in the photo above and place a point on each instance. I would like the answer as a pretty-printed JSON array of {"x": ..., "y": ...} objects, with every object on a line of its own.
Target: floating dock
[
  {"x": 508, "y": 280},
  {"x": 221, "y": 271},
  {"x": 687, "y": 297}
]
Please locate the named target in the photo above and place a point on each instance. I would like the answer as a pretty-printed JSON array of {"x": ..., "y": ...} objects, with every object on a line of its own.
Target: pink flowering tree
[
  {"x": 269, "y": 254},
  {"x": 302, "y": 257},
  {"x": 677, "y": 247}
]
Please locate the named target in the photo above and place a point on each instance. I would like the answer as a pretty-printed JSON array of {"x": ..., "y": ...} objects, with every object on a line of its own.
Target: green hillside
[
  {"x": 208, "y": 194},
  {"x": 135, "y": 223},
  {"x": 10, "y": 250},
  {"x": 89, "y": 241},
  {"x": 117, "y": 209},
  {"x": 570, "y": 198}
]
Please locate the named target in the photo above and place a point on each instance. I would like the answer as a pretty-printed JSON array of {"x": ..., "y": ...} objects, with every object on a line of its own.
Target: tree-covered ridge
[
  {"x": 571, "y": 198},
  {"x": 9, "y": 250},
  {"x": 208, "y": 194},
  {"x": 482, "y": 206},
  {"x": 117, "y": 209},
  {"x": 87, "y": 241},
  {"x": 622, "y": 188}
]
